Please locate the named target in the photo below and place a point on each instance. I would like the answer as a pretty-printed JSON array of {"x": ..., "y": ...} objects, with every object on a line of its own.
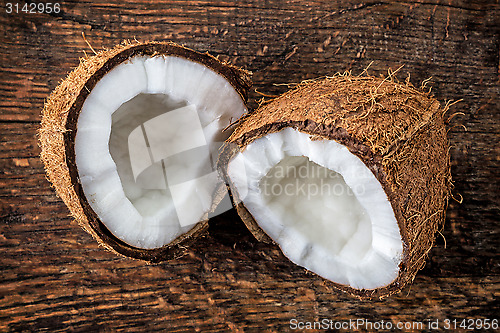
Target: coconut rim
[{"x": 239, "y": 80}]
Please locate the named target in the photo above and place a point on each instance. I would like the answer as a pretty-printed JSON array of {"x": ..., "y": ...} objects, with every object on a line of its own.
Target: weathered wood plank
[{"x": 54, "y": 276}]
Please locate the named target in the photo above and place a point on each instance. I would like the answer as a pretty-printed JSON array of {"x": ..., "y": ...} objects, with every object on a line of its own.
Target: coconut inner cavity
[
  {"x": 145, "y": 144},
  {"x": 322, "y": 205},
  {"x": 299, "y": 190}
]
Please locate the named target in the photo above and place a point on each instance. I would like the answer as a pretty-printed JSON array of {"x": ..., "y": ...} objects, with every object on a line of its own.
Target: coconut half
[
  {"x": 129, "y": 141},
  {"x": 350, "y": 176}
]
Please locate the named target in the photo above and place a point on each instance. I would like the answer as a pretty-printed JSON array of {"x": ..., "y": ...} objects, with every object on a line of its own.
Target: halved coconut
[
  {"x": 128, "y": 140},
  {"x": 350, "y": 176}
]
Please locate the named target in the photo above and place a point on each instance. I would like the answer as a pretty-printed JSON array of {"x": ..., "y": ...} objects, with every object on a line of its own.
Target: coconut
[
  {"x": 128, "y": 140},
  {"x": 349, "y": 176}
]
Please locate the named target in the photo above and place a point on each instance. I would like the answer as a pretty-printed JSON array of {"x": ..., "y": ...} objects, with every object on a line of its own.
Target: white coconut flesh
[
  {"x": 145, "y": 144},
  {"x": 322, "y": 205}
]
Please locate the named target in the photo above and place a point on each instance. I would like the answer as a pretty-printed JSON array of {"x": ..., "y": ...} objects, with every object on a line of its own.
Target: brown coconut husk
[
  {"x": 59, "y": 127},
  {"x": 395, "y": 129}
]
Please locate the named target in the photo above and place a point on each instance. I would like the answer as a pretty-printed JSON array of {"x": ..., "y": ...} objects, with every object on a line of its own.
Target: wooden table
[{"x": 54, "y": 276}]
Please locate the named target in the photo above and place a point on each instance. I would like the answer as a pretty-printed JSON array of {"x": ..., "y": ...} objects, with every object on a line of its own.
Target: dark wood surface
[{"x": 54, "y": 276}]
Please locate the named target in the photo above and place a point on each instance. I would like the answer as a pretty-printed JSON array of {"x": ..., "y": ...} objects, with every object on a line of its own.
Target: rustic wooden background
[{"x": 54, "y": 276}]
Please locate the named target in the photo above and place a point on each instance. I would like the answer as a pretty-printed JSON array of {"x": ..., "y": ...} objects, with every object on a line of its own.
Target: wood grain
[{"x": 54, "y": 277}]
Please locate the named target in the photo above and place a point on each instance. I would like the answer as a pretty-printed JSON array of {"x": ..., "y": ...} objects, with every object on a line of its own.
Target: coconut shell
[
  {"x": 59, "y": 127},
  {"x": 395, "y": 129}
]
